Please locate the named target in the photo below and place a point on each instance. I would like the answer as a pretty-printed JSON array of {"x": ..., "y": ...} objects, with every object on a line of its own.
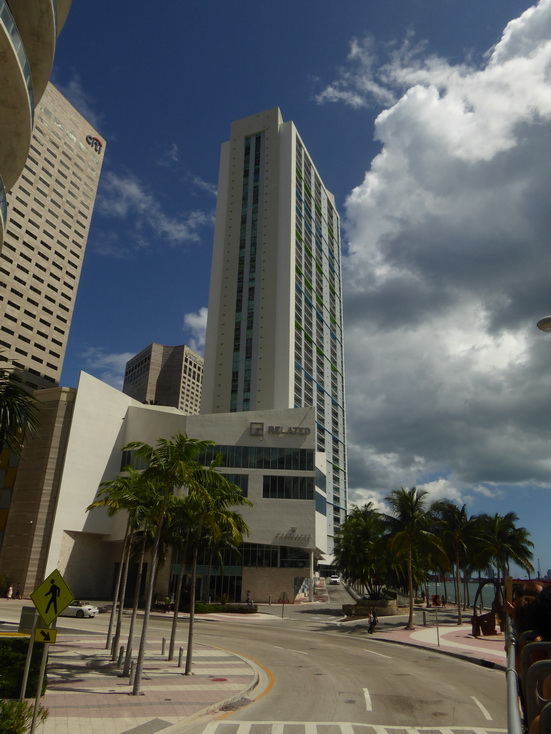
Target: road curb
[
  {"x": 213, "y": 708},
  {"x": 450, "y": 653}
]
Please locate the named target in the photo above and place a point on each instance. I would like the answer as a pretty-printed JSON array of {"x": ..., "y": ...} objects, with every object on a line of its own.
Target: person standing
[
  {"x": 9, "y": 593},
  {"x": 372, "y": 621}
]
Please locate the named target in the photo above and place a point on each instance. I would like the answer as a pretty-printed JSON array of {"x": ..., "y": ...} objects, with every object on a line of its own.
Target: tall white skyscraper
[{"x": 275, "y": 325}]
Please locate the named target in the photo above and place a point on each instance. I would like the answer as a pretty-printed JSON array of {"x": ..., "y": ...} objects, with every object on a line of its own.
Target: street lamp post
[{"x": 544, "y": 324}]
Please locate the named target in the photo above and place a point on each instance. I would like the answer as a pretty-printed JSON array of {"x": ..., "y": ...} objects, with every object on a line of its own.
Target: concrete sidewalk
[
  {"x": 447, "y": 637},
  {"x": 87, "y": 693}
]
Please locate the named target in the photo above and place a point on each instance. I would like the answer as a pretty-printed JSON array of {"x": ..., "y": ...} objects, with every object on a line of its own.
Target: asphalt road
[
  {"x": 324, "y": 679},
  {"x": 331, "y": 676}
]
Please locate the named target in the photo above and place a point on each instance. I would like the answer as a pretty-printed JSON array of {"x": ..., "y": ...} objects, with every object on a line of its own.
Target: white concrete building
[
  {"x": 270, "y": 454},
  {"x": 275, "y": 334}
]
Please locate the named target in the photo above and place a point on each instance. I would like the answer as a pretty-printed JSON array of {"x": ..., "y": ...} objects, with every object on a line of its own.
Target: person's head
[
  {"x": 524, "y": 614},
  {"x": 532, "y": 588},
  {"x": 542, "y": 613}
]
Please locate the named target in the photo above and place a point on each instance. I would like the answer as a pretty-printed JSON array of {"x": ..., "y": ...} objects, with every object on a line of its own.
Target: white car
[
  {"x": 334, "y": 580},
  {"x": 79, "y": 609}
]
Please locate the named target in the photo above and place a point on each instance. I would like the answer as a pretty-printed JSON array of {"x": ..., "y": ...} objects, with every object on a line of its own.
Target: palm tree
[
  {"x": 504, "y": 542},
  {"x": 171, "y": 466},
  {"x": 18, "y": 412},
  {"x": 133, "y": 495},
  {"x": 357, "y": 544},
  {"x": 457, "y": 530},
  {"x": 210, "y": 497},
  {"x": 178, "y": 533},
  {"x": 409, "y": 533},
  {"x": 215, "y": 553}
]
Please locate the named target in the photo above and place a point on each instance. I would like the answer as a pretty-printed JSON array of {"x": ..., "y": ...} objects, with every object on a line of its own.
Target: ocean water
[{"x": 448, "y": 590}]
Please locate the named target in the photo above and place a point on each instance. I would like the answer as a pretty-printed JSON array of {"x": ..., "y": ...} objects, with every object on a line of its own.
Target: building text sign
[{"x": 258, "y": 429}]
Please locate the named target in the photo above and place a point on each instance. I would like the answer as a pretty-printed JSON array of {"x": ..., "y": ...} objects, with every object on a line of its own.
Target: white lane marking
[
  {"x": 346, "y": 729},
  {"x": 277, "y": 728},
  {"x": 290, "y": 649},
  {"x": 368, "y": 706},
  {"x": 484, "y": 710},
  {"x": 380, "y": 654},
  {"x": 244, "y": 727}
]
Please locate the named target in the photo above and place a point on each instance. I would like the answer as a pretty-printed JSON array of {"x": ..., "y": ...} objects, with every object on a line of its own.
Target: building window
[{"x": 288, "y": 488}]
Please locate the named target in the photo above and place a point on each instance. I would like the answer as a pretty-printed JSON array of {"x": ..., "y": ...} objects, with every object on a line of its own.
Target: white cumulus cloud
[
  {"x": 126, "y": 198},
  {"x": 108, "y": 367},
  {"x": 196, "y": 325},
  {"x": 448, "y": 381}
]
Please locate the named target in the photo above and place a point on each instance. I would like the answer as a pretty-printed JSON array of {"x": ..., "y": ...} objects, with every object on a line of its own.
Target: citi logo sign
[{"x": 95, "y": 143}]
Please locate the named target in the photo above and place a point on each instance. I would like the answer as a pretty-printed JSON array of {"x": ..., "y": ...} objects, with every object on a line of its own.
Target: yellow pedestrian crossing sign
[
  {"x": 45, "y": 635},
  {"x": 52, "y": 596}
]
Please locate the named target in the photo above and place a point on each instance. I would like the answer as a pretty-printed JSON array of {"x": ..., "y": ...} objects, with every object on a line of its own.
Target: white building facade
[
  {"x": 275, "y": 325},
  {"x": 269, "y": 454}
]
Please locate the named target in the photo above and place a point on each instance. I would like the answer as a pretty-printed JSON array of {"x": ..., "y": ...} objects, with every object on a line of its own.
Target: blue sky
[{"x": 430, "y": 120}]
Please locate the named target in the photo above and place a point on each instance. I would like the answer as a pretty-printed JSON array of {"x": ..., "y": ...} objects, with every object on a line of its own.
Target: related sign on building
[
  {"x": 52, "y": 596},
  {"x": 45, "y": 635}
]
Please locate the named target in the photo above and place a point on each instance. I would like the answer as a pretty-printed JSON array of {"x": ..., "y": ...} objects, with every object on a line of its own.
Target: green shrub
[
  {"x": 201, "y": 608},
  {"x": 13, "y": 653},
  {"x": 16, "y": 716}
]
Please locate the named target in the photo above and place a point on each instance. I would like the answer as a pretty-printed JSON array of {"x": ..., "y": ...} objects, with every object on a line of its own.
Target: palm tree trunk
[
  {"x": 458, "y": 586},
  {"x": 409, "y": 625},
  {"x": 122, "y": 594},
  {"x": 147, "y": 609},
  {"x": 130, "y": 643},
  {"x": 176, "y": 608},
  {"x": 117, "y": 588},
  {"x": 207, "y": 585},
  {"x": 189, "y": 653}
]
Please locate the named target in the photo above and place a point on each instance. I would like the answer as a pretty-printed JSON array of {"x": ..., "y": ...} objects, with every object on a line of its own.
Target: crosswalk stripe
[{"x": 312, "y": 727}]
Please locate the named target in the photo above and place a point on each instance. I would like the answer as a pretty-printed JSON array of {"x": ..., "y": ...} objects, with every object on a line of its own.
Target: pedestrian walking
[
  {"x": 370, "y": 622},
  {"x": 249, "y": 599},
  {"x": 373, "y": 621},
  {"x": 9, "y": 593}
]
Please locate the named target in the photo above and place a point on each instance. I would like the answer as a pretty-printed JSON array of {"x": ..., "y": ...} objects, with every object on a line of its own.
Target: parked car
[
  {"x": 79, "y": 609},
  {"x": 334, "y": 579}
]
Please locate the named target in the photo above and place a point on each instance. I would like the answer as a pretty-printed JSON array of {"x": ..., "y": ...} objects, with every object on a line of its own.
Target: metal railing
[{"x": 514, "y": 712}]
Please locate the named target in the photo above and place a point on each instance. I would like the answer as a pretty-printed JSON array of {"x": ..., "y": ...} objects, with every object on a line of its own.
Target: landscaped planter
[{"x": 382, "y": 607}]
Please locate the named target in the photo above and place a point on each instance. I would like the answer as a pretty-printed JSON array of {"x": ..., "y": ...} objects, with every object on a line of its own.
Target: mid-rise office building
[
  {"x": 163, "y": 375},
  {"x": 49, "y": 213},
  {"x": 275, "y": 325}
]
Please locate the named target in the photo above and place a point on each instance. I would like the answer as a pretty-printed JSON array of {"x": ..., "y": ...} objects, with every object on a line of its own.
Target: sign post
[{"x": 50, "y": 599}]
